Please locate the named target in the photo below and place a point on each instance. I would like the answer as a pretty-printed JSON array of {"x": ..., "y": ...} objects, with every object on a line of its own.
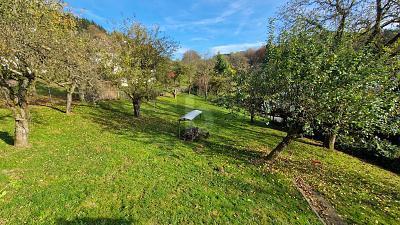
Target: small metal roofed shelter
[{"x": 188, "y": 117}]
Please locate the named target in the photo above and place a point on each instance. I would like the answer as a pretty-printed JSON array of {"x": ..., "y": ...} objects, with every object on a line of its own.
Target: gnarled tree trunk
[
  {"x": 281, "y": 146},
  {"x": 70, "y": 92},
  {"x": 136, "y": 107},
  {"x": 16, "y": 93},
  {"x": 21, "y": 125}
]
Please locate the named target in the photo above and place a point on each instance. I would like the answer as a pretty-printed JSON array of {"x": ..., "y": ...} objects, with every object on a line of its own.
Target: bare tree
[
  {"x": 204, "y": 74},
  {"x": 366, "y": 18},
  {"x": 191, "y": 59}
]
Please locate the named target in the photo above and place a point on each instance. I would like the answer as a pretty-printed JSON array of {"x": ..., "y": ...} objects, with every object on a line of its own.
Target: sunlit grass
[{"x": 101, "y": 165}]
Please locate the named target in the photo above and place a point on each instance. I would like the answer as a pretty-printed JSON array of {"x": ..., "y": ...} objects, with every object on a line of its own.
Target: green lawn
[{"x": 101, "y": 166}]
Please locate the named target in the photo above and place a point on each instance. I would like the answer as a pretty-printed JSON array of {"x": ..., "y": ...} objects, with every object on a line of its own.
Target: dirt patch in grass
[{"x": 325, "y": 212}]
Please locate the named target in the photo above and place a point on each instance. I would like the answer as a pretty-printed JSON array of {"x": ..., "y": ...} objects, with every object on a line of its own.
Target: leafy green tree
[
  {"x": 246, "y": 91},
  {"x": 222, "y": 65},
  {"x": 292, "y": 83},
  {"x": 359, "y": 90},
  {"x": 352, "y": 33},
  {"x": 30, "y": 36},
  {"x": 223, "y": 74},
  {"x": 142, "y": 56},
  {"x": 175, "y": 77},
  {"x": 312, "y": 85}
]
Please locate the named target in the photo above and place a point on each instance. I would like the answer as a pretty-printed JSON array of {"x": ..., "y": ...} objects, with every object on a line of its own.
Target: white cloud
[
  {"x": 225, "y": 49},
  {"x": 182, "y": 50},
  {"x": 199, "y": 39},
  {"x": 179, "y": 53},
  {"x": 233, "y": 8}
]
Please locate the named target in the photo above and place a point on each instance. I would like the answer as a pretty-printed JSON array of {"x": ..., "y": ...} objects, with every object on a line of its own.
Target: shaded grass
[
  {"x": 361, "y": 192},
  {"x": 101, "y": 165}
]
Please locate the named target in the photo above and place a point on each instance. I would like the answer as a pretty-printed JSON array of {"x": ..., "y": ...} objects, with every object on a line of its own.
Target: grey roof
[{"x": 190, "y": 116}]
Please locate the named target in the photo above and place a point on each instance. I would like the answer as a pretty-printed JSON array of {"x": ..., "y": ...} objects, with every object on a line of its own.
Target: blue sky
[{"x": 207, "y": 26}]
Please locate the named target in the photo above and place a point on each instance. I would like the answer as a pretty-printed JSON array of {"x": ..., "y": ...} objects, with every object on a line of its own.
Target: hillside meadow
[{"x": 103, "y": 166}]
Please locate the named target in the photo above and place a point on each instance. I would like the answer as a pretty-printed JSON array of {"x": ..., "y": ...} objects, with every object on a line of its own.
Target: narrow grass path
[{"x": 101, "y": 165}]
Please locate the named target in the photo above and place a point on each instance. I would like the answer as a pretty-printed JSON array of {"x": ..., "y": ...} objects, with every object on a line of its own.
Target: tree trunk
[
  {"x": 252, "y": 115},
  {"x": 378, "y": 20},
  {"x": 82, "y": 96},
  {"x": 175, "y": 93},
  {"x": 281, "y": 146},
  {"x": 70, "y": 92},
  {"x": 189, "y": 89},
  {"x": 340, "y": 31},
  {"x": 330, "y": 141},
  {"x": 330, "y": 138},
  {"x": 136, "y": 107},
  {"x": 21, "y": 126},
  {"x": 19, "y": 104},
  {"x": 69, "y": 103}
]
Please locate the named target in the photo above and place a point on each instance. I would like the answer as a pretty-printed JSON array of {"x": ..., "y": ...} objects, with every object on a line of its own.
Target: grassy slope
[{"x": 101, "y": 165}]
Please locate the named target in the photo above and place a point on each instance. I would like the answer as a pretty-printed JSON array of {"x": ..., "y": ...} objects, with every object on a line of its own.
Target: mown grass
[{"x": 102, "y": 166}]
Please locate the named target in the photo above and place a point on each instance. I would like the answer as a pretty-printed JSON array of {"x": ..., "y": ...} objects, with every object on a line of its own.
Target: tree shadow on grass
[
  {"x": 150, "y": 128},
  {"x": 6, "y": 137},
  {"x": 5, "y": 117},
  {"x": 159, "y": 126},
  {"x": 238, "y": 154},
  {"x": 94, "y": 221},
  {"x": 51, "y": 107},
  {"x": 235, "y": 149}
]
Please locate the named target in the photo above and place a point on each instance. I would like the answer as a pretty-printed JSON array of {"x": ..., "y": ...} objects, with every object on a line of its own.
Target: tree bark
[
  {"x": 16, "y": 93},
  {"x": 21, "y": 125},
  {"x": 70, "y": 92},
  {"x": 330, "y": 141},
  {"x": 378, "y": 20},
  {"x": 281, "y": 146},
  {"x": 252, "y": 116},
  {"x": 340, "y": 30},
  {"x": 136, "y": 107}
]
